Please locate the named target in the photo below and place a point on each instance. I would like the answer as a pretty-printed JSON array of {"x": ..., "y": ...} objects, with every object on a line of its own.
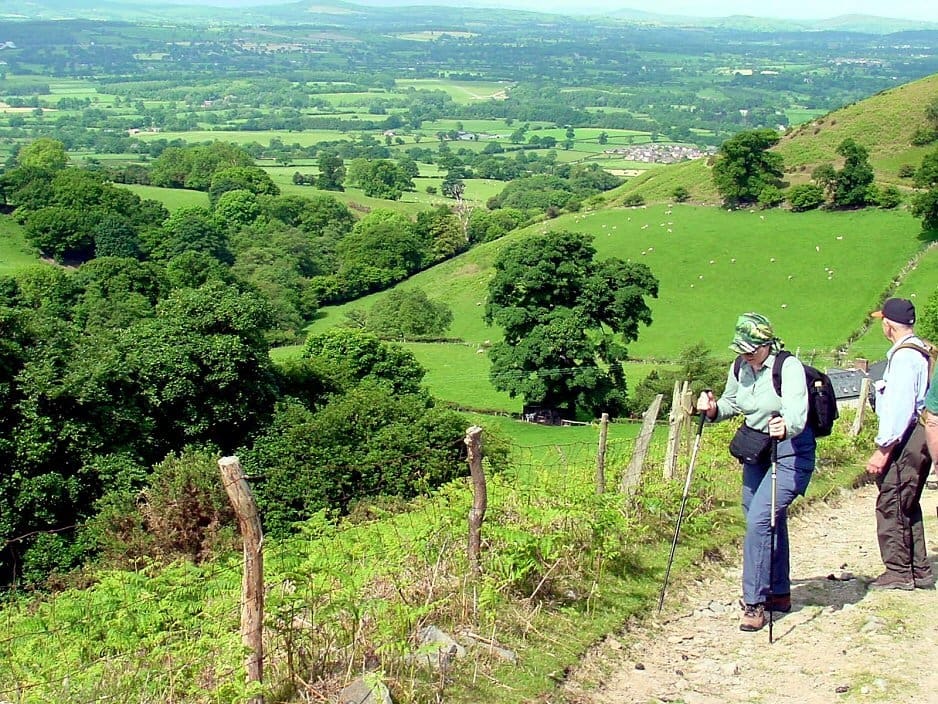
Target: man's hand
[{"x": 877, "y": 462}]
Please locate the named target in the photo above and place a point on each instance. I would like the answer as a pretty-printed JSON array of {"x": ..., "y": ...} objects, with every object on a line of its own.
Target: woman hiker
[{"x": 768, "y": 417}]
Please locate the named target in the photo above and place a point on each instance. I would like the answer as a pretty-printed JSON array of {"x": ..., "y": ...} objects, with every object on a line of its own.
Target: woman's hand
[
  {"x": 707, "y": 404},
  {"x": 777, "y": 428}
]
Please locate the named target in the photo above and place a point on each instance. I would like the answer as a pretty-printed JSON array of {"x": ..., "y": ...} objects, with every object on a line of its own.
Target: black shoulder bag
[{"x": 750, "y": 446}]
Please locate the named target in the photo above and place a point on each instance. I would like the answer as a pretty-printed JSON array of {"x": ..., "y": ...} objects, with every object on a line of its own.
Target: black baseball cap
[{"x": 898, "y": 310}]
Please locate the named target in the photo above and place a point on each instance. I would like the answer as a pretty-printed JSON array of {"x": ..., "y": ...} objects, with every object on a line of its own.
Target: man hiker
[{"x": 901, "y": 462}]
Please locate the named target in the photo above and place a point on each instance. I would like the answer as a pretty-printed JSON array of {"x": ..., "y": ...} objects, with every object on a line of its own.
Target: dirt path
[{"x": 840, "y": 642}]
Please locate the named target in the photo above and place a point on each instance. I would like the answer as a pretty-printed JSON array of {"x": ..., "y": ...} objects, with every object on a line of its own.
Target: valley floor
[{"x": 841, "y": 642}]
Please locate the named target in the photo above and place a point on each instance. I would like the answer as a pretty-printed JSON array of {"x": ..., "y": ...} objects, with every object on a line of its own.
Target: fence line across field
[{"x": 622, "y": 464}]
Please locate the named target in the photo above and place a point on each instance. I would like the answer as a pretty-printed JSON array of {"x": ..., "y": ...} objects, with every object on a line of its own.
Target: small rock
[
  {"x": 842, "y": 689},
  {"x": 639, "y": 666},
  {"x": 864, "y": 690}
]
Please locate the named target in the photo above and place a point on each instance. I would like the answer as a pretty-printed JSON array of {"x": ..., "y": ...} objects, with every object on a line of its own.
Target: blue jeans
[{"x": 795, "y": 465}]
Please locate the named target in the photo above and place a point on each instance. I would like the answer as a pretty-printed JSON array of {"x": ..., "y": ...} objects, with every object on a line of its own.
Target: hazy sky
[{"x": 924, "y": 10}]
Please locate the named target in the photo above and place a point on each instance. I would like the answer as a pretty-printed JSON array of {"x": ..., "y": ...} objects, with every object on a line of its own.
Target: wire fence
[{"x": 341, "y": 597}]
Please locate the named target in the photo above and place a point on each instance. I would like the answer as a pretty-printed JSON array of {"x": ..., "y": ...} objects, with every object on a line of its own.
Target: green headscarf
[{"x": 752, "y": 331}]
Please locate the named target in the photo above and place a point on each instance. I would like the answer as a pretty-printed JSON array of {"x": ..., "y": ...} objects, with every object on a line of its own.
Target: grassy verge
[{"x": 562, "y": 566}]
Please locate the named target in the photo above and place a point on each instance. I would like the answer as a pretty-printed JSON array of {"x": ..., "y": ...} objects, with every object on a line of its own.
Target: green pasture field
[
  {"x": 14, "y": 251},
  {"x": 657, "y": 185},
  {"x": 172, "y": 198},
  {"x": 304, "y": 139},
  {"x": 775, "y": 262},
  {"x": 917, "y": 286},
  {"x": 798, "y": 116},
  {"x": 477, "y": 190},
  {"x": 459, "y": 91},
  {"x": 486, "y": 126}
]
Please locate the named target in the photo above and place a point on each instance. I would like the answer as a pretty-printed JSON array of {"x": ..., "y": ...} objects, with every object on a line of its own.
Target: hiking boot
[
  {"x": 779, "y": 602},
  {"x": 924, "y": 582},
  {"x": 753, "y": 618},
  {"x": 891, "y": 580}
]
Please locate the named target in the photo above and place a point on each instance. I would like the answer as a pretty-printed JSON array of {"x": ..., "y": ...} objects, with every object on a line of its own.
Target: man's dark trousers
[{"x": 899, "y": 509}]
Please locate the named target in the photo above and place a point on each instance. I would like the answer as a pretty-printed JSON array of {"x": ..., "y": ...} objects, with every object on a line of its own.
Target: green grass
[
  {"x": 172, "y": 198},
  {"x": 699, "y": 301},
  {"x": 14, "y": 252},
  {"x": 459, "y": 91},
  {"x": 917, "y": 287}
]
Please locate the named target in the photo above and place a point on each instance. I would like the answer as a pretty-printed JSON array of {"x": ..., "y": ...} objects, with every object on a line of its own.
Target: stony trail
[{"x": 840, "y": 643}]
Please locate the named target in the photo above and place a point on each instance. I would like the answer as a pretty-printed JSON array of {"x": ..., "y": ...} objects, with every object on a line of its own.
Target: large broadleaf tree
[{"x": 566, "y": 319}]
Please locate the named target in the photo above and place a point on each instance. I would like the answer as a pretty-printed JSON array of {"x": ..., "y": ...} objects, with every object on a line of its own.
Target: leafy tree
[
  {"x": 237, "y": 208},
  {"x": 383, "y": 247},
  {"x": 565, "y": 319},
  {"x": 380, "y": 178},
  {"x": 441, "y": 232},
  {"x": 408, "y": 313},
  {"x": 806, "y": 196},
  {"x": 324, "y": 216},
  {"x": 331, "y": 172},
  {"x": 925, "y": 207},
  {"x": 241, "y": 178},
  {"x": 44, "y": 153},
  {"x": 356, "y": 356},
  {"x": 114, "y": 237},
  {"x": 61, "y": 233},
  {"x": 744, "y": 166},
  {"x": 200, "y": 371},
  {"x": 856, "y": 176},
  {"x": 189, "y": 229},
  {"x": 927, "y": 174},
  {"x": 927, "y": 324},
  {"x": 697, "y": 365}
]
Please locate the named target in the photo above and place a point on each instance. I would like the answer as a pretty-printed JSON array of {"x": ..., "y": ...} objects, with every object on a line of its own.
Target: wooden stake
[{"x": 252, "y": 583}]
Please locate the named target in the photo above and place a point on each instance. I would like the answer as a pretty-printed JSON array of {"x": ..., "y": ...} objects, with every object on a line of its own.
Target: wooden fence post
[
  {"x": 675, "y": 421},
  {"x": 687, "y": 405},
  {"x": 861, "y": 406},
  {"x": 252, "y": 581},
  {"x": 473, "y": 442},
  {"x": 601, "y": 454},
  {"x": 634, "y": 471}
]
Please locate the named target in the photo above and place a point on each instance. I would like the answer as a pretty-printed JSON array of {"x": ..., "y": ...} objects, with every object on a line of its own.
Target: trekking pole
[
  {"x": 680, "y": 516},
  {"x": 772, "y": 531}
]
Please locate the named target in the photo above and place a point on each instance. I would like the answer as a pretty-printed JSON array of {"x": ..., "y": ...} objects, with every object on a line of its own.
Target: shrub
[
  {"x": 906, "y": 171},
  {"x": 633, "y": 200},
  {"x": 680, "y": 194},
  {"x": 807, "y": 196},
  {"x": 183, "y": 512},
  {"x": 885, "y": 197},
  {"x": 771, "y": 196},
  {"x": 923, "y": 136}
]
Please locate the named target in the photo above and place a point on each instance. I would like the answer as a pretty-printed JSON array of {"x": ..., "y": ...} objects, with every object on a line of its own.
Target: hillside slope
[{"x": 883, "y": 123}]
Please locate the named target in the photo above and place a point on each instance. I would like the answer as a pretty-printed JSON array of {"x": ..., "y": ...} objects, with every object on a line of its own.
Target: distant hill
[
  {"x": 273, "y": 12},
  {"x": 883, "y": 123}
]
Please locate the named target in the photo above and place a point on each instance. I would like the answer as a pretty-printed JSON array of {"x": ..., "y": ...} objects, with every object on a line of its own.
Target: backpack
[
  {"x": 927, "y": 350},
  {"x": 822, "y": 401}
]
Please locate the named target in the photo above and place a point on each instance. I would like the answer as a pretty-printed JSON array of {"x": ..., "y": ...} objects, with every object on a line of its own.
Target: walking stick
[
  {"x": 680, "y": 516},
  {"x": 772, "y": 530}
]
